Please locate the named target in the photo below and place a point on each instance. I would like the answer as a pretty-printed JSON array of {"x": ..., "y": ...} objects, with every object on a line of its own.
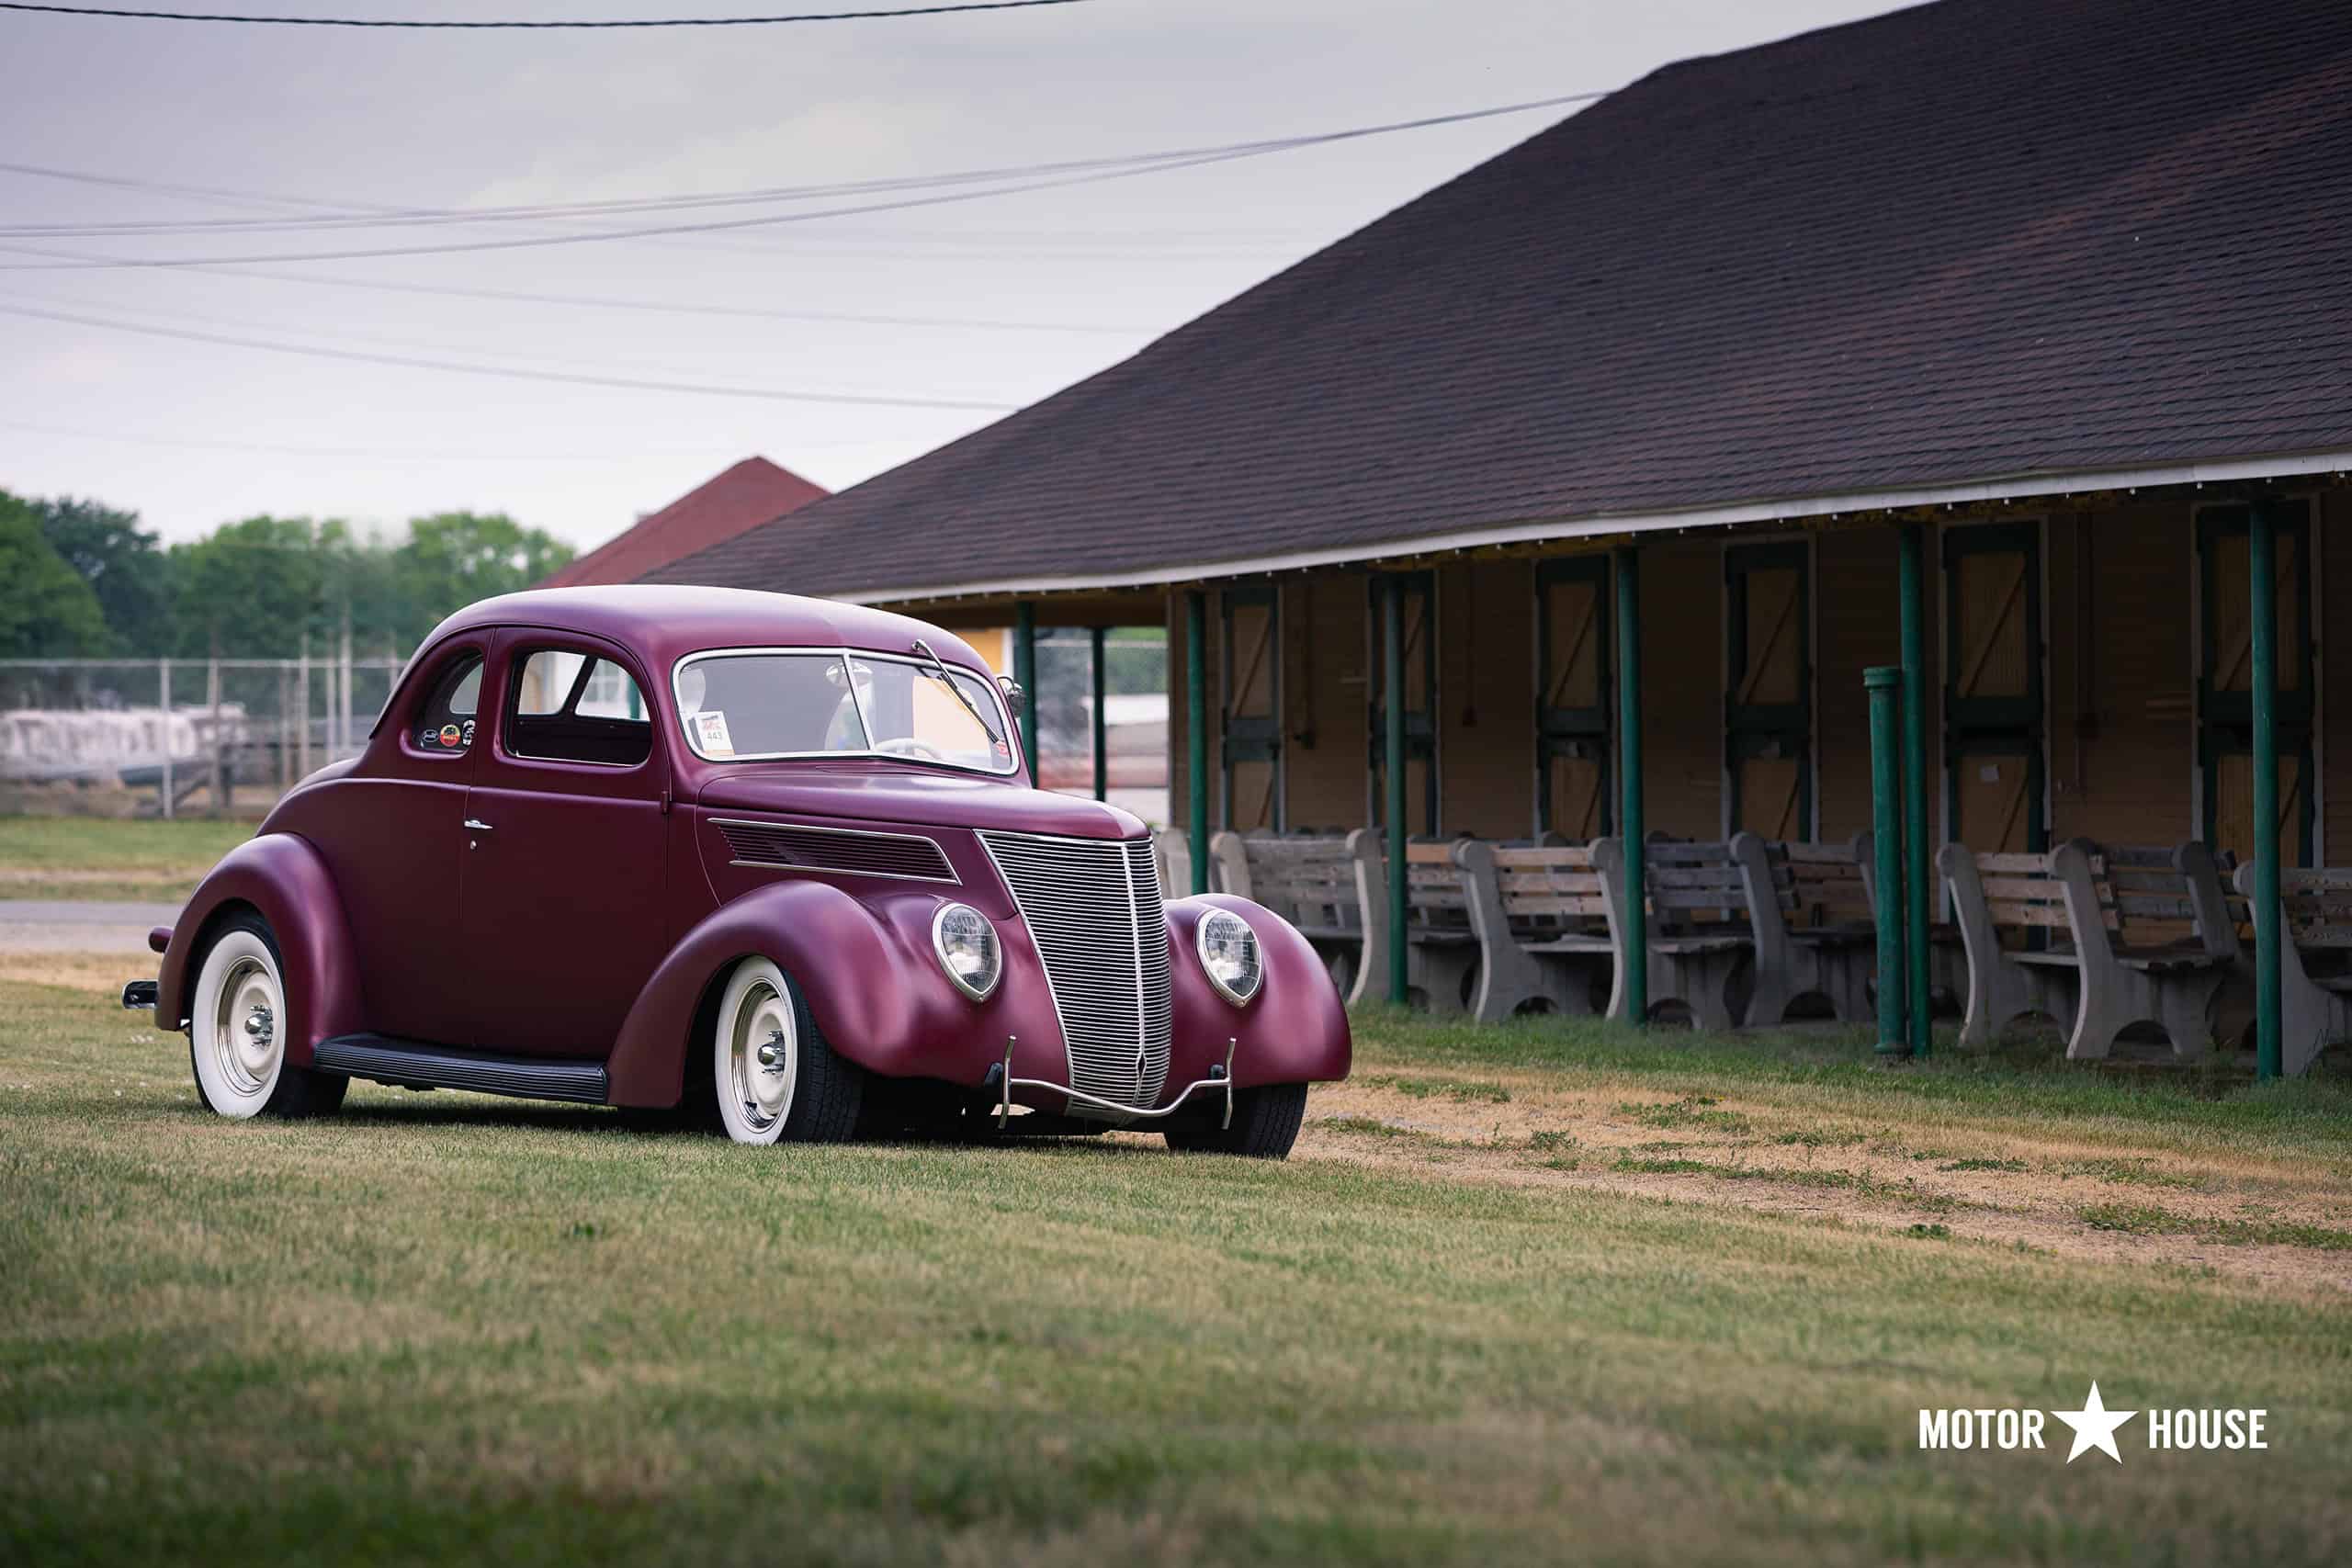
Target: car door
[
  {"x": 565, "y": 832},
  {"x": 391, "y": 840}
]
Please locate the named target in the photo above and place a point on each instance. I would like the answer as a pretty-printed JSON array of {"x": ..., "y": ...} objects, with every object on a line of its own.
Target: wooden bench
[
  {"x": 2097, "y": 977},
  {"x": 1441, "y": 949},
  {"x": 1947, "y": 955},
  {"x": 1172, "y": 852},
  {"x": 1542, "y": 923},
  {"x": 1810, "y": 913},
  {"x": 1308, "y": 880},
  {"x": 1700, "y": 941},
  {"x": 2314, "y": 961}
]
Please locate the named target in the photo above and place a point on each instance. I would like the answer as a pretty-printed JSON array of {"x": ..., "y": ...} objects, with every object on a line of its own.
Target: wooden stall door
[
  {"x": 2225, "y": 681},
  {"x": 1252, "y": 710},
  {"x": 1573, "y": 698},
  {"x": 1994, "y": 723},
  {"x": 1420, "y": 619},
  {"x": 1767, "y": 689}
]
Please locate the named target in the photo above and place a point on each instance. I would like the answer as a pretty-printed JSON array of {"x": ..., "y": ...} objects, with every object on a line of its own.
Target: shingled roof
[
  {"x": 743, "y": 496},
  {"x": 1974, "y": 247}
]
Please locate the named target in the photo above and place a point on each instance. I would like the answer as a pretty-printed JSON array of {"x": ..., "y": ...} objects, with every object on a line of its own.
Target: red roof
[{"x": 751, "y": 492}]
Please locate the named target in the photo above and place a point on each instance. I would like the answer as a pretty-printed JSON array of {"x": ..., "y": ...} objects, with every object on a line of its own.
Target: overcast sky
[{"x": 441, "y": 120}]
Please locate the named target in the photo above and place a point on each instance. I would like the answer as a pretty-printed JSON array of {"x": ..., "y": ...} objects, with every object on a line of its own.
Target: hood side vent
[{"x": 844, "y": 851}]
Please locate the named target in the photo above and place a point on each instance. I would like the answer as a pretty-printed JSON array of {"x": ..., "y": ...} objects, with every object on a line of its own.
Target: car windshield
[{"x": 748, "y": 705}]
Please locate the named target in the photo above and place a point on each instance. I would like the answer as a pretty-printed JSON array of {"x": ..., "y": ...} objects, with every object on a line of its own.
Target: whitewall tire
[
  {"x": 237, "y": 1032},
  {"x": 774, "y": 1079}
]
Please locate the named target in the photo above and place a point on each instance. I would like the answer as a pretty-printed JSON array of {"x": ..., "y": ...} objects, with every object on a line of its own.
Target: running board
[{"x": 409, "y": 1066}]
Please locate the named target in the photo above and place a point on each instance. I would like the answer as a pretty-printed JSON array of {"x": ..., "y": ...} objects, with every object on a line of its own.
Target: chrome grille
[{"x": 1092, "y": 907}]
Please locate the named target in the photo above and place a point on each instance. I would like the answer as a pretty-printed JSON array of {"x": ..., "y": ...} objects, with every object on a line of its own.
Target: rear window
[{"x": 444, "y": 725}]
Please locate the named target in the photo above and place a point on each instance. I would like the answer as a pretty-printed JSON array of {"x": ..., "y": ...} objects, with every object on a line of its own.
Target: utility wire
[
  {"x": 482, "y": 27},
  {"x": 544, "y": 240},
  {"x": 606, "y": 455},
  {"x": 605, "y": 302},
  {"x": 319, "y": 351},
  {"x": 377, "y": 217}
]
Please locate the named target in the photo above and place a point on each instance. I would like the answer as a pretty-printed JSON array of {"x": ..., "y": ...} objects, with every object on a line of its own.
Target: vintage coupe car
[{"x": 772, "y": 858}]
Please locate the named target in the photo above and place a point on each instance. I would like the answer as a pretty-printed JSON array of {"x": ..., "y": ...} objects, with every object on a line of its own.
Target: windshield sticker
[{"x": 710, "y": 733}]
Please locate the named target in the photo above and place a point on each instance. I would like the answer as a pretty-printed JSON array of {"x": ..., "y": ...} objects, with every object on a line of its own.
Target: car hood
[{"x": 920, "y": 797}]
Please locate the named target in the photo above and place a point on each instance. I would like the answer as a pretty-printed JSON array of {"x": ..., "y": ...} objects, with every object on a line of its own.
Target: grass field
[
  {"x": 1530, "y": 1295},
  {"x": 87, "y": 857}
]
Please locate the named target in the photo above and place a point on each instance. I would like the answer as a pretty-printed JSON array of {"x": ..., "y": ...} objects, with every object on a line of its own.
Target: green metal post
[
  {"x": 1024, "y": 674},
  {"x": 1629, "y": 772},
  {"x": 1884, "y": 684},
  {"x": 1196, "y": 733},
  {"x": 1392, "y": 619},
  {"x": 2267, "y": 1034},
  {"x": 1919, "y": 886},
  {"x": 1102, "y": 727}
]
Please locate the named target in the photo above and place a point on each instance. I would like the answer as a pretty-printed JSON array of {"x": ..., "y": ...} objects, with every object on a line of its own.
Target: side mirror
[{"x": 1016, "y": 696}]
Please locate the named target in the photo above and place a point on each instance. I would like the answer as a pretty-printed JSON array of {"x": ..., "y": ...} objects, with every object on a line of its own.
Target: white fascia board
[{"x": 1971, "y": 493}]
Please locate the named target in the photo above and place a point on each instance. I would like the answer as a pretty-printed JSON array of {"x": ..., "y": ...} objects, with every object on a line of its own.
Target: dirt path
[{"x": 2244, "y": 1216}]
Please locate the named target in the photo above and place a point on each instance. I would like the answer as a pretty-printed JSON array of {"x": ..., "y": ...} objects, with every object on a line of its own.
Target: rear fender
[{"x": 287, "y": 881}]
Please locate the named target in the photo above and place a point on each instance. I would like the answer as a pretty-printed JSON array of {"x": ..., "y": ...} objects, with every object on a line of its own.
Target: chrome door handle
[{"x": 474, "y": 827}]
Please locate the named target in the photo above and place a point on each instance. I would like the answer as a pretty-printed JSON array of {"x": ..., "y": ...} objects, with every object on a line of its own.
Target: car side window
[
  {"x": 567, "y": 706},
  {"x": 444, "y": 725}
]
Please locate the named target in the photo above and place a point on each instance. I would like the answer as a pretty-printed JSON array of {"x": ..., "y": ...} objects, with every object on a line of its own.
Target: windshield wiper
[{"x": 949, "y": 682}]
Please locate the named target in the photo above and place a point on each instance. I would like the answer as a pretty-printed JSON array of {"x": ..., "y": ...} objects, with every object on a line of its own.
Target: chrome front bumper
[{"x": 1001, "y": 1083}]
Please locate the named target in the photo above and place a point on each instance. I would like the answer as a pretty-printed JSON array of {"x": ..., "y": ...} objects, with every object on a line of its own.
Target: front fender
[
  {"x": 1293, "y": 1030},
  {"x": 864, "y": 967},
  {"x": 288, "y": 881}
]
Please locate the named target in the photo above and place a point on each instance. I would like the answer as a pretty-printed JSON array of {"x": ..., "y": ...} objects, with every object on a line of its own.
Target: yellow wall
[{"x": 2119, "y": 590}]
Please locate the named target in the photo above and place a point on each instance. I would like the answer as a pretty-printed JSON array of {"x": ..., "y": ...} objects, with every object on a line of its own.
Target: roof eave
[{"x": 2007, "y": 488}]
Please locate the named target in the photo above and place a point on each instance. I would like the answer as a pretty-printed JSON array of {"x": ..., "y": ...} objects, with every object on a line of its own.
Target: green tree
[
  {"x": 47, "y": 611},
  {"x": 122, "y": 564},
  {"x": 249, "y": 589},
  {"x": 357, "y": 573},
  {"x": 453, "y": 558}
]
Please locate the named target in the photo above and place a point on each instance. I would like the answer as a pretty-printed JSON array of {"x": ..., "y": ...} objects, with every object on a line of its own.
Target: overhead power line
[
  {"x": 670, "y": 307},
  {"x": 606, "y": 455},
  {"x": 1001, "y": 181},
  {"x": 321, "y": 351},
  {"x": 483, "y": 27}
]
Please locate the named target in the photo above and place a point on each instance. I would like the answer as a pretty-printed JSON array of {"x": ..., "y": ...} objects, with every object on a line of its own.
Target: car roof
[{"x": 663, "y": 623}]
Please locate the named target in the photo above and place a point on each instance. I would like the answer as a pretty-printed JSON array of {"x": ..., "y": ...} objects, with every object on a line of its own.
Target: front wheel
[
  {"x": 1265, "y": 1124},
  {"x": 774, "y": 1077},
  {"x": 236, "y": 1031}
]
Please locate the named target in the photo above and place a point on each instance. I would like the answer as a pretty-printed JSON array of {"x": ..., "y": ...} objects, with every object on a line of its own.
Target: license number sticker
[{"x": 710, "y": 729}]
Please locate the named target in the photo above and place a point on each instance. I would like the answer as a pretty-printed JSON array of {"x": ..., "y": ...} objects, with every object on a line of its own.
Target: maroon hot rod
[{"x": 772, "y": 858}]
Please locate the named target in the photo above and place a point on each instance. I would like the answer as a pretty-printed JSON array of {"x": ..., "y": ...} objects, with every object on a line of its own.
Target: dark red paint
[{"x": 596, "y": 913}]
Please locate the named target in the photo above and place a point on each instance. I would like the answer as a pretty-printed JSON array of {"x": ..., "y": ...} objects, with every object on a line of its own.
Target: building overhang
[{"x": 1595, "y": 528}]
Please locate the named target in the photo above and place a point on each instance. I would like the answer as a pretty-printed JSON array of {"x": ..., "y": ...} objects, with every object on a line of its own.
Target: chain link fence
[
  {"x": 221, "y": 736},
  {"x": 163, "y": 736}
]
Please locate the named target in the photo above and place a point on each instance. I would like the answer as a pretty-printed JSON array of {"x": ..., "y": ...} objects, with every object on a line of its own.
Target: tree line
[{"x": 79, "y": 579}]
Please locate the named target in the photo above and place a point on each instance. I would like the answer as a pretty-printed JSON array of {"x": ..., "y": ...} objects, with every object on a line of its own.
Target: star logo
[{"x": 2094, "y": 1426}]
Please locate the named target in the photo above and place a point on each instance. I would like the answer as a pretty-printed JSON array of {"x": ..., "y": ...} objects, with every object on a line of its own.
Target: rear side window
[
  {"x": 574, "y": 707},
  {"x": 444, "y": 725}
]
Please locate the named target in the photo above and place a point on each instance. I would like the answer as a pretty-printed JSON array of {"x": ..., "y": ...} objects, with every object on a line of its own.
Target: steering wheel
[{"x": 908, "y": 746}]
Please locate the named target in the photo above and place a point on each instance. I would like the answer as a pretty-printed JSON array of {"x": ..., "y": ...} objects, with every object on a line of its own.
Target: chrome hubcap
[
  {"x": 764, "y": 1057},
  {"x": 245, "y": 1035}
]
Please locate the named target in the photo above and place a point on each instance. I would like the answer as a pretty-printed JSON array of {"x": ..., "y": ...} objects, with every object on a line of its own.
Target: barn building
[{"x": 2032, "y": 321}]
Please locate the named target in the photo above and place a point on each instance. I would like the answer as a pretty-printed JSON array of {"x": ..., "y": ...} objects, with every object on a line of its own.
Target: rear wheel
[
  {"x": 236, "y": 1032},
  {"x": 773, "y": 1076},
  {"x": 1265, "y": 1124}
]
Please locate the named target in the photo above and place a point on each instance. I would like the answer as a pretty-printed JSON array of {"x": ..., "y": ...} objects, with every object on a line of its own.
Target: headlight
[
  {"x": 967, "y": 948},
  {"x": 1228, "y": 950}
]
